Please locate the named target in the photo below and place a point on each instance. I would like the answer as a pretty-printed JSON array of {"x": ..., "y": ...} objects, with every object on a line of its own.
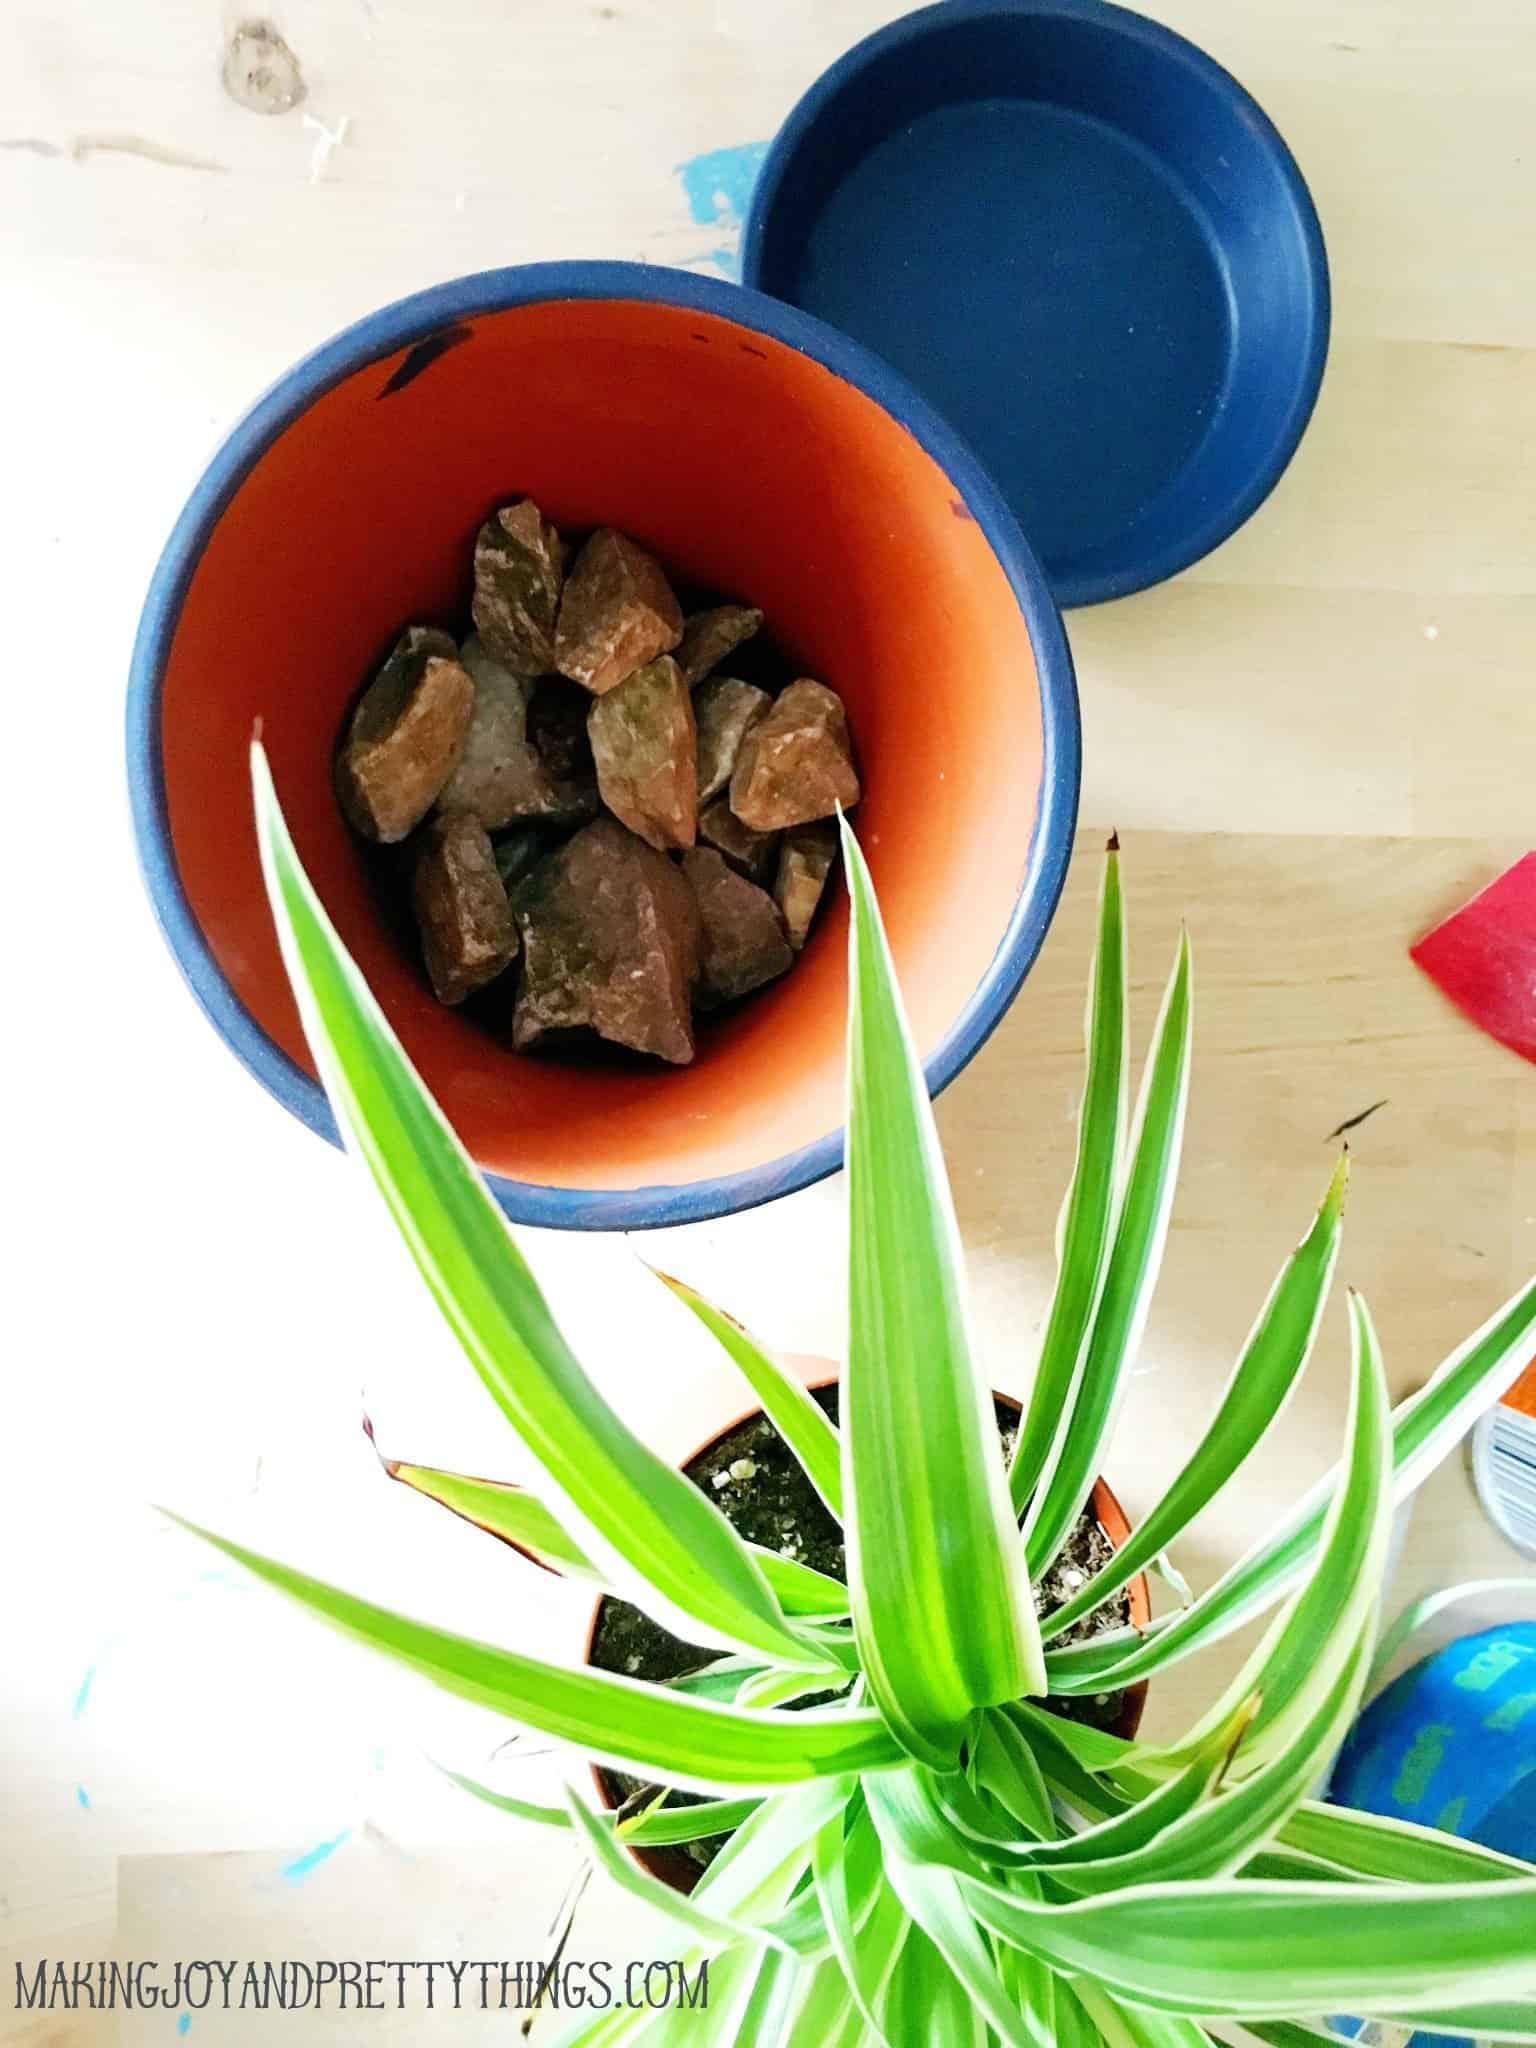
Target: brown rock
[
  {"x": 467, "y": 933},
  {"x": 518, "y": 579},
  {"x": 724, "y": 711},
  {"x": 743, "y": 935},
  {"x": 645, "y": 747},
  {"x": 708, "y": 637},
  {"x": 405, "y": 737},
  {"x": 518, "y": 853},
  {"x": 502, "y": 778},
  {"x": 611, "y": 942},
  {"x": 751, "y": 853},
  {"x": 807, "y": 854},
  {"x": 618, "y": 613},
  {"x": 557, "y": 726},
  {"x": 795, "y": 764}
]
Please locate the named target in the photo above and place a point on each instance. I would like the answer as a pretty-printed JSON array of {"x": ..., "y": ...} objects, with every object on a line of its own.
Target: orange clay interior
[{"x": 745, "y": 466}]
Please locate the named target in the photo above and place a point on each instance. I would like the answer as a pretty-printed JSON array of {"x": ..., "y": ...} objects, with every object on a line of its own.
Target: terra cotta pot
[{"x": 756, "y": 452}]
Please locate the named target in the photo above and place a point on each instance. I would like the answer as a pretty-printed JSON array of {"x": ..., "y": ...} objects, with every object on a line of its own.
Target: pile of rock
[{"x": 585, "y": 791}]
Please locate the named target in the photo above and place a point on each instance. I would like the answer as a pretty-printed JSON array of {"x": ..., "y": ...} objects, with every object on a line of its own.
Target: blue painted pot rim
[
  {"x": 376, "y": 338},
  {"x": 1158, "y": 564}
]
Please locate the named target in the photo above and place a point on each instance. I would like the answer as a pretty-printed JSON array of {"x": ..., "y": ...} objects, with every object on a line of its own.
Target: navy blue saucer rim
[
  {"x": 376, "y": 338},
  {"x": 1074, "y": 592}
]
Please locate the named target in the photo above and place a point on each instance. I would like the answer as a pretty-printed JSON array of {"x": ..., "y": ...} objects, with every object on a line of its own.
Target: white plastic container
[{"x": 1502, "y": 1452}]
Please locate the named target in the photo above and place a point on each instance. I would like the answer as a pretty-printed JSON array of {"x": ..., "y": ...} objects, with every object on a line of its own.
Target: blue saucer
[{"x": 1086, "y": 245}]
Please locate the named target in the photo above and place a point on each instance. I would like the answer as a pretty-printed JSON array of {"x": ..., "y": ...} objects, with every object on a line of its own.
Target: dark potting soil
[{"x": 759, "y": 1486}]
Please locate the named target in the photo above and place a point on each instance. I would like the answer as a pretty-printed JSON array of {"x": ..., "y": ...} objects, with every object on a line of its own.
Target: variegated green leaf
[
  {"x": 941, "y": 1601},
  {"x": 926, "y": 2002},
  {"x": 1266, "y": 1375},
  {"x": 1088, "y": 1217},
  {"x": 864, "y": 1918},
  {"x": 622, "y": 1870},
  {"x": 1421, "y": 1612},
  {"x": 799, "y": 1420},
  {"x": 1135, "y": 1258},
  {"x": 1216, "y": 1836},
  {"x": 514, "y": 1515},
  {"x": 1370, "y": 1845},
  {"x": 1131, "y": 2026},
  {"x": 932, "y": 1897},
  {"x": 658, "y": 1827},
  {"x": 1425, "y": 1427},
  {"x": 693, "y": 1743},
  {"x": 1120, "y": 1838},
  {"x": 1320, "y": 1633},
  {"x": 648, "y": 1530},
  {"x": 825, "y": 2015},
  {"x": 1268, "y": 1951}
]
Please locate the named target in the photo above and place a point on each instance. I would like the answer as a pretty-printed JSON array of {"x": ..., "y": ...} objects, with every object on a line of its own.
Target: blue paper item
[{"x": 1452, "y": 1744}]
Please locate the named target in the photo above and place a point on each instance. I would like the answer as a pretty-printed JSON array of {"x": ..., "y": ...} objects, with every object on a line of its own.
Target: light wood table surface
[{"x": 1313, "y": 745}]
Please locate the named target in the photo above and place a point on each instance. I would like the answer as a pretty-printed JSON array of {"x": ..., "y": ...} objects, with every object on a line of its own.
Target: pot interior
[{"x": 749, "y": 469}]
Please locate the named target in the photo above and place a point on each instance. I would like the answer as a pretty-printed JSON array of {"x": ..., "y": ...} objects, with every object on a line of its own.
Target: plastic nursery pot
[
  {"x": 757, "y": 452},
  {"x": 672, "y": 1866}
]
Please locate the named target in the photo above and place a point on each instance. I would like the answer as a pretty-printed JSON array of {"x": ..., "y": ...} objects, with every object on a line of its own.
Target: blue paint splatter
[
  {"x": 184, "y": 2024},
  {"x": 718, "y": 188},
  {"x": 719, "y": 184},
  {"x": 82, "y": 1798},
  {"x": 82, "y": 1697},
  {"x": 301, "y": 1866}
]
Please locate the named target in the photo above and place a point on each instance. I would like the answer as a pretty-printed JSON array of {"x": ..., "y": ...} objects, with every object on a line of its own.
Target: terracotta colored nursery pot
[
  {"x": 755, "y": 451},
  {"x": 672, "y": 1866}
]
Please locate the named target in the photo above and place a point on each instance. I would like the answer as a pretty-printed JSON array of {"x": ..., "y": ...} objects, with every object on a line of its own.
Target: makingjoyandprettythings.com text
[{"x": 329, "y": 1985}]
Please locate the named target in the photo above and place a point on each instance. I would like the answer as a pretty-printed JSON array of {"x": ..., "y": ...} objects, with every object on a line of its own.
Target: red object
[{"x": 1484, "y": 958}]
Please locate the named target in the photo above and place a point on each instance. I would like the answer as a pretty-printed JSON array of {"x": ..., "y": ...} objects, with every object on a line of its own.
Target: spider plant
[{"x": 934, "y": 1857}]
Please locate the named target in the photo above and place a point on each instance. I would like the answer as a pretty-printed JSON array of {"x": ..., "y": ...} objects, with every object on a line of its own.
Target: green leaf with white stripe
[
  {"x": 1215, "y": 1837},
  {"x": 799, "y": 1419},
  {"x": 825, "y": 2015},
  {"x": 1268, "y": 1951},
  {"x": 1119, "y": 1838},
  {"x": 1130, "y": 2026},
  {"x": 622, "y": 1870},
  {"x": 1088, "y": 1216},
  {"x": 1499, "y": 2019},
  {"x": 693, "y": 1743},
  {"x": 1135, "y": 1257},
  {"x": 515, "y": 1516},
  {"x": 658, "y": 1827},
  {"x": 864, "y": 1919},
  {"x": 1074, "y": 2029},
  {"x": 941, "y": 1601},
  {"x": 648, "y": 1529},
  {"x": 765, "y": 2013},
  {"x": 1374, "y": 1846},
  {"x": 903, "y": 1816},
  {"x": 1265, "y": 1377},
  {"x": 926, "y": 2002},
  {"x": 745, "y": 1878},
  {"x": 1320, "y": 1633},
  {"x": 1425, "y": 1428},
  {"x": 1421, "y": 1612}
]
